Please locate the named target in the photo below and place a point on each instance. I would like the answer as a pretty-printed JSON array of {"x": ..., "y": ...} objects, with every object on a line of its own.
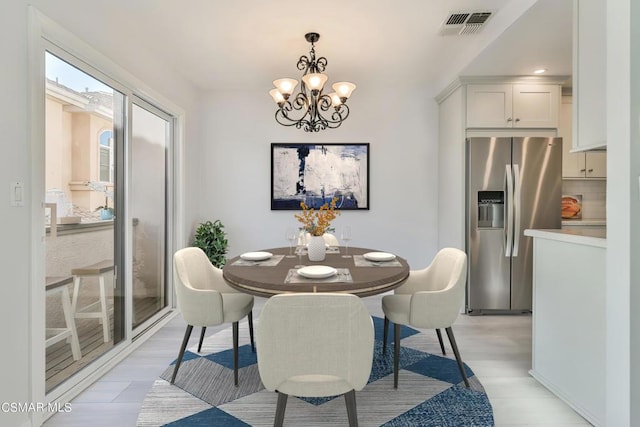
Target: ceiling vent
[{"x": 464, "y": 23}]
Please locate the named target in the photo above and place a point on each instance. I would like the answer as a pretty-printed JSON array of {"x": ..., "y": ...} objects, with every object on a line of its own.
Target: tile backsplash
[{"x": 594, "y": 196}]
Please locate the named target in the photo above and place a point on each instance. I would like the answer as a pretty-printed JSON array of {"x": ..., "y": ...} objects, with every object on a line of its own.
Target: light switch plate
[{"x": 16, "y": 193}]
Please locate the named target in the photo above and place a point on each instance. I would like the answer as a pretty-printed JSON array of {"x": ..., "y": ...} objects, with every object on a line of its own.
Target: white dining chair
[
  {"x": 204, "y": 299},
  {"x": 430, "y": 299},
  {"x": 330, "y": 239},
  {"x": 315, "y": 345}
]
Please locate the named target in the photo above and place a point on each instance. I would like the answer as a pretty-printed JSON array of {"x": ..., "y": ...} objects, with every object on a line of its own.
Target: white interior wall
[
  {"x": 623, "y": 211},
  {"x": 15, "y": 226},
  {"x": 400, "y": 123},
  {"x": 451, "y": 166}
]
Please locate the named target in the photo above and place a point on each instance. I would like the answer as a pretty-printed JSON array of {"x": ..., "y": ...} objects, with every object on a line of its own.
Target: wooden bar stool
[
  {"x": 58, "y": 285},
  {"x": 99, "y": 270}
]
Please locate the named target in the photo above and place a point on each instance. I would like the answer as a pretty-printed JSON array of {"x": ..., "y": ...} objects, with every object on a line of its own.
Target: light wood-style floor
[
  {"x": 59, "y": 360},
  {"x": 496, "y": 347}
]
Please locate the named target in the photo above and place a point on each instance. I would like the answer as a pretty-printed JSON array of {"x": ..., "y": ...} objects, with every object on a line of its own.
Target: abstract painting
[{"x": 316, "y": 173}]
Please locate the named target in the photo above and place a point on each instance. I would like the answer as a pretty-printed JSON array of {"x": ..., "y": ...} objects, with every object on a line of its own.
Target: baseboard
[{"x": 582, "y": 411}]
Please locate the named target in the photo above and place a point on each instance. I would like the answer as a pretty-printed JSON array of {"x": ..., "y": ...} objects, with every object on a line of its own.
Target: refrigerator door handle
[
  {"x": 509, "y": 208},
  {"x": 517, "y": 203}
]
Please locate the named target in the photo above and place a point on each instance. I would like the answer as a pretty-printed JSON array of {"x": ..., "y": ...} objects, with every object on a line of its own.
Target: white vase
[{"x": 316, "y": 248}]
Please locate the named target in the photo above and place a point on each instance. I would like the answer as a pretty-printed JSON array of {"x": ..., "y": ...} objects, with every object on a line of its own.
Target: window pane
[
  {"x": 105, "y": 163},
  {"x": 149, "y": 145}
]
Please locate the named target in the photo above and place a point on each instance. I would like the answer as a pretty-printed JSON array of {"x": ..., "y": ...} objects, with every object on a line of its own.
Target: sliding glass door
[{"x": 107, "y": 183}]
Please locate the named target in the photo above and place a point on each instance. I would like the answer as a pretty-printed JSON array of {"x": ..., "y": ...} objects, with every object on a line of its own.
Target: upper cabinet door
[
  {"x": 589, "y": 74},
  {"x": 536, "y": 106},
  {"x": 513, "y": 105},
  {"x": 489, "y": 106}
]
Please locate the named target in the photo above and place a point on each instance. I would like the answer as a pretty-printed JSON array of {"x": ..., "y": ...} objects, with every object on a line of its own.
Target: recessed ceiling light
[{"x": 540, "y": 71}]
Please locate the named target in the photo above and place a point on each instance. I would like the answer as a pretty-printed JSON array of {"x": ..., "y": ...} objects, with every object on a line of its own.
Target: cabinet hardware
[
  {"x": 517, "y": 120},
  {"x": 583, "y": 170},
  {"x": 509, "y": 119},
  {"x": 590, "y": 170}
]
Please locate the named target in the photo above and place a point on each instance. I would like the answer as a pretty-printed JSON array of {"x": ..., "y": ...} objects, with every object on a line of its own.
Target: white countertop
[
  {"x": 584, "y": 222},
  {"x": 589, "y": 237}
]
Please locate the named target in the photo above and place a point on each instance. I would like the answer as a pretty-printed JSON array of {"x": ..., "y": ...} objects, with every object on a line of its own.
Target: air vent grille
[
  {"x": 478, "y": 18},
  {"x": 457, "y": 18},
  {"x": 458, "y": 23}
]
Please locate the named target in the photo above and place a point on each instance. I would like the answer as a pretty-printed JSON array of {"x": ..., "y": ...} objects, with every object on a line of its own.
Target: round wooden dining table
[{"x": 277, "y": 275}]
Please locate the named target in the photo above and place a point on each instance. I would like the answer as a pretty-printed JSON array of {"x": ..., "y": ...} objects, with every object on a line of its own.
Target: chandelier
[{"x": 316, "y": 111}]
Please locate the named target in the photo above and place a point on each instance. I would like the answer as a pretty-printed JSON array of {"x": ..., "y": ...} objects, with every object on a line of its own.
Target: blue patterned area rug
[{"x": 430, "y": 390}]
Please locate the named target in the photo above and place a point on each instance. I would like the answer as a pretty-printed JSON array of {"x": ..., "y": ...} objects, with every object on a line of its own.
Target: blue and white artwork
[{"x": 316, "y": 173}]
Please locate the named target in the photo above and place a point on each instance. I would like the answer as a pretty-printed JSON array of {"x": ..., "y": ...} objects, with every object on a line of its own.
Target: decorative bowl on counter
[{"x": 572, "y": 206}]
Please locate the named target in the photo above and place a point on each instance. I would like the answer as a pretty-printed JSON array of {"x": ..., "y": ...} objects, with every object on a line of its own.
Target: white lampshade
[
  {"x": 315, "y": 81},
  {"x": 335, "y": 100},
  {"x": 277, "y": 96},
  {"x": 285, "y": 86},
  {"x": 344, "y": 89}
]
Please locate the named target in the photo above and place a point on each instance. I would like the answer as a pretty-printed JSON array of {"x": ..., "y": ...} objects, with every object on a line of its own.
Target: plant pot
[
  {"x": 316, "y": 249},
  {"x": 106, "y": 214}
]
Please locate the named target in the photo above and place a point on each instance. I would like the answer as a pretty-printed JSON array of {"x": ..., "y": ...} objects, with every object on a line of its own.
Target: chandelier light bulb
[
  {"x": 277, "y": 96},
  {"x": 285, "y": 86},
  {"x": 315, "y": 81},
  {"x": 344, "y": 89},
  {"x": 335, "y": 100}
]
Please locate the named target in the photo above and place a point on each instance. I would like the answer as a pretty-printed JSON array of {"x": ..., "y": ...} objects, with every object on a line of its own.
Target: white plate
[
  {"x": 379, "y": 256},
  {"x": 317, "y": 271},
  {"x": 256, "y": 256}
]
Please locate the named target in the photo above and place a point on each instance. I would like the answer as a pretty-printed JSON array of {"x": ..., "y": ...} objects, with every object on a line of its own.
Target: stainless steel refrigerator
[{"x": 512, "y": 184}]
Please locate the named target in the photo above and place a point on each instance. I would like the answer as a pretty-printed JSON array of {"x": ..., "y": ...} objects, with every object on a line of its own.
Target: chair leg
[
  {"x": 235, "y": 353},
  {"x": 204, "y": 328},
  {"x": 280, "y": 407},
  {"x": 250, "y": 318},
  {"x": 396, "y": 353},
  {"x": 385, "y": 334},
  {"x": 352, "y": 413},
  {"x": 441, "y": 342},
  {"x": 454, "y": 346},
  {"x": 185, "y": 340}
]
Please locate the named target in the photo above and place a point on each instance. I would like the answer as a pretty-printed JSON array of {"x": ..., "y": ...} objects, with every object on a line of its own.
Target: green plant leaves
[{"x": 211, "y": 238}]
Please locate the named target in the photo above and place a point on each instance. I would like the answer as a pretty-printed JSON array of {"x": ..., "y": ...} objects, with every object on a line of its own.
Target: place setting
[
  {"x": 318, "y": 273},
  {"x": 258, "y": 258},
  {"x": 376, "y": 259}
]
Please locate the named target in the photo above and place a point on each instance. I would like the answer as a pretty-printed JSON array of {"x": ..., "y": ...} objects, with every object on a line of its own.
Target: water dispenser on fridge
[{"x": 490, "y": 209}]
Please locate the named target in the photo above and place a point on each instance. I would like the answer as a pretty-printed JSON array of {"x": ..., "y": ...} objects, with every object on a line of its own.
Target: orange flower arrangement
[{"x": 318, "y": 222}]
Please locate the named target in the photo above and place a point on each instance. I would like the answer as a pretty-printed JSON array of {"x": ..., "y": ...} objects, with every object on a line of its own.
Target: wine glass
[
  {"x": 291, "y": 235},
  {"x": 346, "y": 235},
  {"x": 300, "y": 249}
]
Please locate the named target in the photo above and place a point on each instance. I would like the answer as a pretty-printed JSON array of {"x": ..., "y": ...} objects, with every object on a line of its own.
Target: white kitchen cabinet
[
  {"x": 569, "y": 318},
  {"x": 589, "y": 74},
  {"x": 589, "y": 164},
  {"x": 513, "y": 105}
]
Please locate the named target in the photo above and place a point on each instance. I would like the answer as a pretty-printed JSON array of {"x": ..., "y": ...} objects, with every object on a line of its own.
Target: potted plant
[
  {"x": 106, "y": 211},
  {"x": 211, "y": 238}
]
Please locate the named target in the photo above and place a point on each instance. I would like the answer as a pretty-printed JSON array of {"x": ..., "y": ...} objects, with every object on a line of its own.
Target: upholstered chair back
[
  {"x": 196, "y": 284},
  {"x": 314, "y": 344},
  {"x": 438, "y": 290}
]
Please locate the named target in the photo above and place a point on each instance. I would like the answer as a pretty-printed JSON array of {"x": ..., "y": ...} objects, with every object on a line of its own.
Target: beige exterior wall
[{"x": 72, "y": 153}]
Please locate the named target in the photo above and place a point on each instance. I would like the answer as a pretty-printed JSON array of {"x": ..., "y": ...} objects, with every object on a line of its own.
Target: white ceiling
[{"x": 219, "y": 45}]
